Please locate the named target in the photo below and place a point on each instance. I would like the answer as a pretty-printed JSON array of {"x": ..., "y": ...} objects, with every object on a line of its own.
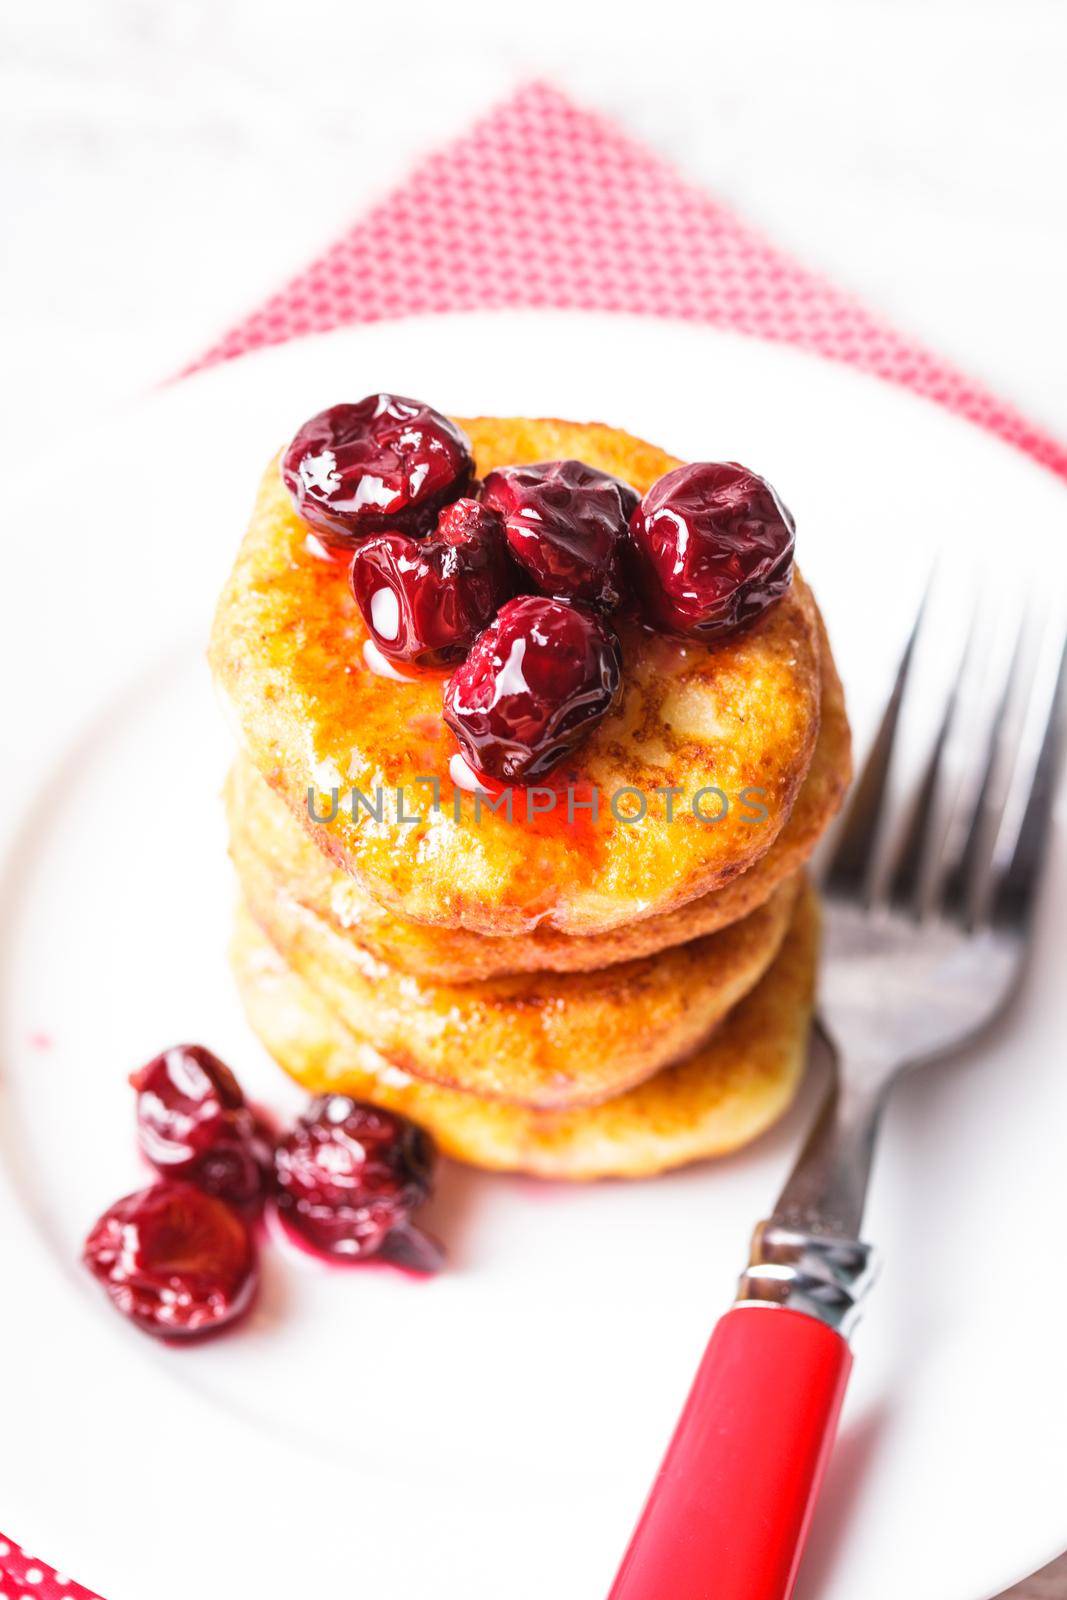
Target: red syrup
[{"x": 569, "y": 814}]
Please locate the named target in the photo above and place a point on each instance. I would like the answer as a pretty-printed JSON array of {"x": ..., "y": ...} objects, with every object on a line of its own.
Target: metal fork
[{"x": 928, "y": 914}]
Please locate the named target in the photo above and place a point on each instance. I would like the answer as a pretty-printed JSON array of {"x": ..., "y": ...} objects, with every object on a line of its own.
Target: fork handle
[{"x": 729, "y": 1511}]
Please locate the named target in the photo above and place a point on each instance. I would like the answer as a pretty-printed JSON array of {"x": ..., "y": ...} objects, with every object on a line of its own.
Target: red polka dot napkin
[
  {"x": 23, "y": 1577},
  {"x": 543, "y": 203}
]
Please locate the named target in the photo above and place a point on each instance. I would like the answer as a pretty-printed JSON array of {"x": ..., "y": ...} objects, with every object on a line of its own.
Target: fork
[{"x": 928, "y": 914}]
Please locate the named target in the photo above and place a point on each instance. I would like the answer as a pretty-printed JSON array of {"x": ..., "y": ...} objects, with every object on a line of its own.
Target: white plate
[{"x": 492, "y": 1432}]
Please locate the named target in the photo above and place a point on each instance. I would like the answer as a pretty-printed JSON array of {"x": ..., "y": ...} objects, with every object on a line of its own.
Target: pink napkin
[{"x": 543, "y": 203}]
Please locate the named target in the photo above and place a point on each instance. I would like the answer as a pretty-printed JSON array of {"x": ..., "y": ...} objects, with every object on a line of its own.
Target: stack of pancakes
[{"x": 566, "y": 993}]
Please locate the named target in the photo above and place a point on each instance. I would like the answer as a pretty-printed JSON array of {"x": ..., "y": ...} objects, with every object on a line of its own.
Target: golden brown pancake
[
  {"x": 539, "y": 1039},
  {"x": 262, "y": 823},
  {"x": 721, "y": 1098},
  {"x": 733, "y": 716}
]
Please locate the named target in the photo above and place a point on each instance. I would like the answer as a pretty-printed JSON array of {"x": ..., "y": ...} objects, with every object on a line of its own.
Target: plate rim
[{"x": 222, "y": 373}]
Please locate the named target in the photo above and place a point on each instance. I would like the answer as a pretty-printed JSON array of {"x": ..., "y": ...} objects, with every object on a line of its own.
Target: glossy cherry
[
  {"x": 349, "y": 1176},
  {"x": 711, "y": 546},
  {"x": 176, "y": 1261},
  {"x": 385, "y": 462},
  {"x": 193, "y": 1123},
  {"x": 536, "y": 682},
  {"x": 565, "y": 524},
  {"x": 426, "y": 600}
]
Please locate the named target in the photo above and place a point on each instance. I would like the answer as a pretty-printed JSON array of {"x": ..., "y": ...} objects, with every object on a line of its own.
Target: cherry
[
  {"x": 383, "y": 463},
  {"x": 536, "y": 682},
  {"x": 349, "y": 1175},
  {"x": 565, "y": 523},
  {"x": 174, "y": 1260},
  {"x": 426, "y": 600},
  {"x": 193, "y": 1123},
  {"x": 711, "y": 546}
]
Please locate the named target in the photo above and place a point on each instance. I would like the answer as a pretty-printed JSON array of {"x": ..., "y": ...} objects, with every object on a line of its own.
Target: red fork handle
[{"x": 730, "y": 1508}]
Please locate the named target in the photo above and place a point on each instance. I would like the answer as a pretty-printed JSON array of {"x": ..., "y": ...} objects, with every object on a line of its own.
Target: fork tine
[
  {"x": 1013, "y": 891},
  {"x": 966, "y": 871},
  {"x": 849, "y": 869},
  {"x": 957, "y": 773},
  {"x": 1022, "y": 747},
  {"x": 912, "y": 870}
]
